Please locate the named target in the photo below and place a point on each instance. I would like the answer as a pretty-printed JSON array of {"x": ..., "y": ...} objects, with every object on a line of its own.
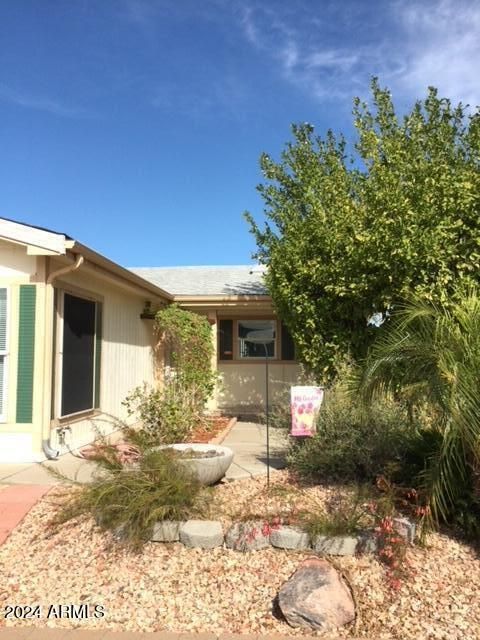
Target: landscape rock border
[{"x": 257, "y": 534}]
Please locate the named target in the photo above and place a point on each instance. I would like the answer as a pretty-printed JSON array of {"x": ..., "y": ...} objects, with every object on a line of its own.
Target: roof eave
[
  {"x": 224, "y": 301},
  {"x": 112, "y": 267}
]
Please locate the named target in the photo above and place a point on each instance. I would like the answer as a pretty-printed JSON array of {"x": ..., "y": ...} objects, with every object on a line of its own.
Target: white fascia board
[{"x": 52, "y": 243}]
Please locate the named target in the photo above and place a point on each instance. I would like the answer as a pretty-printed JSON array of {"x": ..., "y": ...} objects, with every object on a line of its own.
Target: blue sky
[{"x": 136, "y": 125}]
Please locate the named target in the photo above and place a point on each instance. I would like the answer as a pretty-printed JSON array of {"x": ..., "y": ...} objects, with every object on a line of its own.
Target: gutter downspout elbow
[
  {"x": 79, "y": 260},
  {"x": 51, "y": 454},
  {"x": 48, "y": 450}
]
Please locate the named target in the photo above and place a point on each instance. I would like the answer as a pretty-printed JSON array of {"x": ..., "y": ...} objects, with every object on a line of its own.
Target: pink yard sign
[{"x": 305, "y": 405}]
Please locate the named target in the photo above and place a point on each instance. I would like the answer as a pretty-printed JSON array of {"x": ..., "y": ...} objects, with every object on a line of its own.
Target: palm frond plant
[{"x": 430, "y": 353}]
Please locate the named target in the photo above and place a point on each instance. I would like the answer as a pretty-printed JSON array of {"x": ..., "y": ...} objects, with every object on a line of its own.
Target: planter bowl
[{"x": 207, "y": 470}]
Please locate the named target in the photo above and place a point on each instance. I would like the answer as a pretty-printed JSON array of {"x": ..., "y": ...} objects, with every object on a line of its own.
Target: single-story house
[{"x": 76, "y": 336}]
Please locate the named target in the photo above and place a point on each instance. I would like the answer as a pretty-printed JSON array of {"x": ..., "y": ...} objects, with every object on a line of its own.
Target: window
[
  {"x": 80, "y": 358},
  {"x": 245, "y": 339},
  {"x": 256, "y": 338},
  {"x": 3, "y": 354}
]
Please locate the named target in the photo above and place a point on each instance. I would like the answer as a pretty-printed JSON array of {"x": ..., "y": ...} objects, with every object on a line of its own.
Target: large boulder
[{"x": 316, "y": 596}]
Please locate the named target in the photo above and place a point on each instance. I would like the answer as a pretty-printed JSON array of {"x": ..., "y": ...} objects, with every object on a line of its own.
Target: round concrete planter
[{"x": 207, "y": 470}]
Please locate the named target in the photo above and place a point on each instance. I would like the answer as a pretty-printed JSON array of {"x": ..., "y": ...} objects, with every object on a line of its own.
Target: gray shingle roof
[{"x": 206, "y": 281}]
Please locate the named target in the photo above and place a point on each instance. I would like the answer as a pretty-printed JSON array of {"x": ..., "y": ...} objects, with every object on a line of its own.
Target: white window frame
[
  {"x": 239, "y": 339},
  {"x": 5, "y": 354}
]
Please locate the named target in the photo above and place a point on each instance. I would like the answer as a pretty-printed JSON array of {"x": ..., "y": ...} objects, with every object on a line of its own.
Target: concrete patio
[{"x": 246, "y": 439}]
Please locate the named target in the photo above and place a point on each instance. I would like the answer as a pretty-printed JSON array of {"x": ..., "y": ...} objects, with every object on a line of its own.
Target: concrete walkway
[{"x": 246, "y": 439}]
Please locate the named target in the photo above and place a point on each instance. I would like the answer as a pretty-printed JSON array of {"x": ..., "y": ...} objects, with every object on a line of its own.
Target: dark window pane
[
  {"x": 78, "y": 354},
  {"x": 98, "y": 353},
  {"x": 225, "y": 348},
  {"x": 288, "y": 346}
]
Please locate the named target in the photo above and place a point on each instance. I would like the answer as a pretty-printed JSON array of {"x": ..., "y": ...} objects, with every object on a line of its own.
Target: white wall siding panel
[
  {"x": 126, "y": 356},
  {"x": 14, "y": 261}
]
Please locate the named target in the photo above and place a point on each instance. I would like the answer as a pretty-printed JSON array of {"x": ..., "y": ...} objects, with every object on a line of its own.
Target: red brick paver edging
[{"x": 15, "y": 502}]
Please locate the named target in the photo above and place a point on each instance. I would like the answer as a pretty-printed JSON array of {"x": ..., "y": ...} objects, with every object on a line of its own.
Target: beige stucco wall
[{"x": 242, "y": 388}]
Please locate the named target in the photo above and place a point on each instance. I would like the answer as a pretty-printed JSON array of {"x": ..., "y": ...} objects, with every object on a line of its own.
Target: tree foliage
[{"x": 348, "y": 233}]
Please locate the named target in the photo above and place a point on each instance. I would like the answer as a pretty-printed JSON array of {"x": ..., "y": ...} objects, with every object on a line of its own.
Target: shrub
[
  {"x": 354, "y": 443},
  {"x": 433, "y": 352},
  {"x": 167, "y": 415},
  {"x": 129, "y": 499},
  {"x": 188, "y": 340}
]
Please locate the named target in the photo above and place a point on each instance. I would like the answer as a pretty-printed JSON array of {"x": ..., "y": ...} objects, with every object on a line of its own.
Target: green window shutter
[
  {"x": 98, "y": 353},
  {"x": 26, "y": 350},
  {"x": 225, "y": 347},
  {"x": 288, "y": 346}
]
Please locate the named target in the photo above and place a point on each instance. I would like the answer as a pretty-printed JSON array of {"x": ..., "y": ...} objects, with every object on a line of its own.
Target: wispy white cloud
[
  {"x": 443, "y": 48},
  {"x": 39, "y": 103},
  {"x": 416, "y": 44}
]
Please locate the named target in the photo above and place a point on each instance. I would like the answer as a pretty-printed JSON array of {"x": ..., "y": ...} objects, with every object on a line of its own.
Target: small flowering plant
[
  {"x": 249, "y": 532},
  {"x": 392, "y": 543},
  {"x": 392, "y": 550}
]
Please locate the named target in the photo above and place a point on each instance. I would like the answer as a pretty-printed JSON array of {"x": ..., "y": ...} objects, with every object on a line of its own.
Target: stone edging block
[
  {"x": 285, "y": 537},
  {"x": 336, "y": 545},
  {"x": 166, "y": 531},
  {"x": 247, "y": 536},
  {"x": 206, "y": 534},
  {"x": 251, "y": 536}
]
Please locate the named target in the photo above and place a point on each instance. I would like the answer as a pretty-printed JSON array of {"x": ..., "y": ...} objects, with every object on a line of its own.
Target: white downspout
[{"x": 49, "y": 451}]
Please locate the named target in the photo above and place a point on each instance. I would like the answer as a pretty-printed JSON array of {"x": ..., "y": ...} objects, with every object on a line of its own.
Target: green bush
[
  {"x": 129, "y": 499},
  {"x": 167, "y": 415},
  {"x": 187, "y": 338},
  {"x": 353, "y": 443}
]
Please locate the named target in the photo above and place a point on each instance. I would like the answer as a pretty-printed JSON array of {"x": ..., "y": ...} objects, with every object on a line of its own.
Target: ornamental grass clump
[
  {"x": 129, "y": 499},
  {"x": 343, "y": 516}
]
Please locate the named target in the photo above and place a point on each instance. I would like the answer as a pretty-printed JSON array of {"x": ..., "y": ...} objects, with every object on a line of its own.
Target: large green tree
[{"x": 349, "y": 233}]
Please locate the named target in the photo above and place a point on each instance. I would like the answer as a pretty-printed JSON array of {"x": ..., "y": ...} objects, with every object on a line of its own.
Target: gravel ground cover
[
  {"x": 170, "y": 587},
  {"x": 286, "y": 499}
]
